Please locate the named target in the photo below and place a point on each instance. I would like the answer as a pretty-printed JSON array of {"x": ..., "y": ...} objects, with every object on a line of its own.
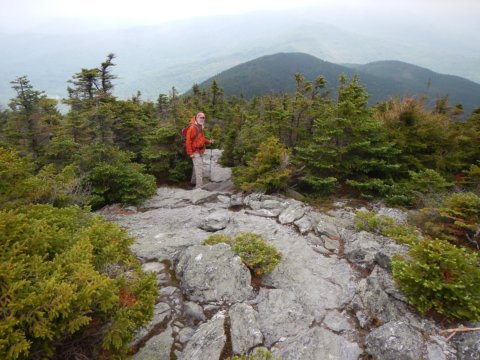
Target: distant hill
[
  {"x": 382, "y": 79},
  {"x": 153, "y": 58}
]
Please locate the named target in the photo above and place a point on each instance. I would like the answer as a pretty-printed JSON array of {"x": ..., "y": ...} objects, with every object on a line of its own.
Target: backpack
[{"x": 184, "y": 136}]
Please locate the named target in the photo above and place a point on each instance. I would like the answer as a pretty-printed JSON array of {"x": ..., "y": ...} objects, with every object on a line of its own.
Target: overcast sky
[{"x": 31, "y": 15}]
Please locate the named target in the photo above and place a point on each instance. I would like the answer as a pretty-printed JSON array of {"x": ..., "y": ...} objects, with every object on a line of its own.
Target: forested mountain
[{"x": 382, "y": 79}]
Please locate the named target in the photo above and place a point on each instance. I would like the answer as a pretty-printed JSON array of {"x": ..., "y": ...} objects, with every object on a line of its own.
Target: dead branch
[{"x": 461, "y": 329}]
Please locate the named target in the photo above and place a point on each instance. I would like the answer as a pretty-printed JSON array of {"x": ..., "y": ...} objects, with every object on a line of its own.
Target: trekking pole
[{"x": 211, "y": 163}]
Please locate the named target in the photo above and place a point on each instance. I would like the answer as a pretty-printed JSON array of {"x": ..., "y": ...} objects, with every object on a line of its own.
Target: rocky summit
[{"x": 330, "y": 297}]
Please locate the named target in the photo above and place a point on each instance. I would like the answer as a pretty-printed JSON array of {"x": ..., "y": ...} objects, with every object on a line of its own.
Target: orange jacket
[{"x": 195, "y": 140}]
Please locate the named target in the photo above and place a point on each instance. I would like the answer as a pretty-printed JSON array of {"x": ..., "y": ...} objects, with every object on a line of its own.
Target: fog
[
  {"x": 162, "y": 44},
  {"x": 459, "y": 16}
]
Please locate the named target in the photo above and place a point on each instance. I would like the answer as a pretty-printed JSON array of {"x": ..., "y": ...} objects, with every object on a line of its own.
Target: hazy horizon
[
  {"x": 33, "y": 15},
  {"x": 160, "y": 45}
]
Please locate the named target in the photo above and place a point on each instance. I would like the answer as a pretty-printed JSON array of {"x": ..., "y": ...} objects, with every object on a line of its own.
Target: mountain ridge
[{"x": 382, "y": 79}]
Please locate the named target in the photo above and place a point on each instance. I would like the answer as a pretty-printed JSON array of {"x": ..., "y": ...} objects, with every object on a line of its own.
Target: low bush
[
  {"x": 383, "y": 225},
  {"x": 119, "y": 183},
  {"x": 462, "y": 211},
  {"x": 440, "y": 277},
  {"x": 71, "y": 288},
  {"x": 257, "y": 255},
  {"x": 113, "y": 177},
  {"x": 21, "y": 185},
  {"x": 457, "y": 220},
  {"x": 217, "y": 239},
  {"x": 471, "y": 179}
]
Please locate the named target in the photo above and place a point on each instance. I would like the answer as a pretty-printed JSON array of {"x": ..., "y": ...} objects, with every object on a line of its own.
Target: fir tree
[
  {"x": 348, "y": 146},
  {"x": 33, "y": 118}
]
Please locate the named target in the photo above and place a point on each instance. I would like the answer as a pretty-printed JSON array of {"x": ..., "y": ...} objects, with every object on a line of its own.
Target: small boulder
[
  {"x": 157, "y": 348},
  {"x": 304, "y": 224},
  {"x": 395, "y": 340},
  {"x": 217, "y": 220},
  {"x": 194, "y": 311},
  {"x": 317, "y": 343},
  {"x": 208, "y": 341},
  {"x": 336, "y": 321},
  {"x": 244, "y": 329},
  {"x": 213, "y": 273},
  {"x": 291, "y": 214}
]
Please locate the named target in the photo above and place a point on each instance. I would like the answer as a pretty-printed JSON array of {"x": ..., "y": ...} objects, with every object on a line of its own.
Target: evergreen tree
[
  {"x": 133, "y": 120},
  {"x": 469, "y": 139},
  {"x": 306, "y": 100},
  {"x": 216, "y": 100},
  {"x": 33, "y": 118},
  {"x": 426, "y": 139},
  {"x": 162, "y": 105},
  {"x": 268, "y": 170},
  {"x": 4, "y": 116},
  {"x": 348, "y": 146},
  {"x": 91, "y": 100}
]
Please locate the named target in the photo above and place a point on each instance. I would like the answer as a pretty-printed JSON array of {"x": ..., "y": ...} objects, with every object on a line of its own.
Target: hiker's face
[{"x": 201, "y": 119}]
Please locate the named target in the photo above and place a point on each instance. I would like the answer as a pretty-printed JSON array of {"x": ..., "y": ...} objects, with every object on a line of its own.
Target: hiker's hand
[{"x": 212, "y": 141}]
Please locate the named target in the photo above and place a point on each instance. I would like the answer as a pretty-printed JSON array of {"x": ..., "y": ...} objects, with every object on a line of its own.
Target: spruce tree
[
  {"x": 427, "y": 139},
  {"x": 348, "y": 146},
  {"x": 33, "y": 118}
]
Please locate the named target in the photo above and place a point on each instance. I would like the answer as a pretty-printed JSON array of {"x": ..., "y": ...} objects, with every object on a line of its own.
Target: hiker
[{"x": 195, "y": 142}]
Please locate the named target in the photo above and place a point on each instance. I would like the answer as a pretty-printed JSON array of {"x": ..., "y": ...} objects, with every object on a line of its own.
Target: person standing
[{"x": 195, "y": 143}]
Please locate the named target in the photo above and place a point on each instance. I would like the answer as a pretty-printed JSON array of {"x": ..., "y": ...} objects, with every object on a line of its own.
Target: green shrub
[
  {"x": 259, "y": 353},
  {"x": 440, "y": 277},
  {"x": 383, "y": 225},
  {"x": 462, "y": 206},
  {"x": 423, "y": 188},
  {"x": 113, "y": 177},
  {"x": 472, "y": 179},
  {"x": 370, "y": 187},
  {"x": 119, "y": 183},
  {"x": 217, "y": 239},
  {"x": 323, "y": 185},
  {"x": 164, "y": 155},
  {"x": 257, "y": 255},
  {"x": 70, "y": 285},
  {"x": 20, "y": 185},
  {"x": 268, "y": 171},
  {"x": 457, "y": 219},
  {"x": 460, "y": 213},
  {"x": 428, "y": 181}
]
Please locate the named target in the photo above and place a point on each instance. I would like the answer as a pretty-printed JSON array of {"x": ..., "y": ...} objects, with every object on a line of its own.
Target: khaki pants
[{"x": 197, "y": 172}]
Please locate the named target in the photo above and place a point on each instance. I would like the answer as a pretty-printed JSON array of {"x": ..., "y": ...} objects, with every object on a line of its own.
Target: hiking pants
[{"x": 197, "y": 172}]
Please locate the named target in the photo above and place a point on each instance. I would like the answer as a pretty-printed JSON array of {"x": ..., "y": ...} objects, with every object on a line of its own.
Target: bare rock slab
[
  {"x": 468, "y": 344},
  {"x": 317, "y": 343},
  {"x": 157, "y": 348},
  {"x": 245, "y": 331},
  {"x": 213, "y": 273},
  {"x": 395, "y": 340},
  {"x": 280, "y": 315},
  {"x": 208, "y": 341}
]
